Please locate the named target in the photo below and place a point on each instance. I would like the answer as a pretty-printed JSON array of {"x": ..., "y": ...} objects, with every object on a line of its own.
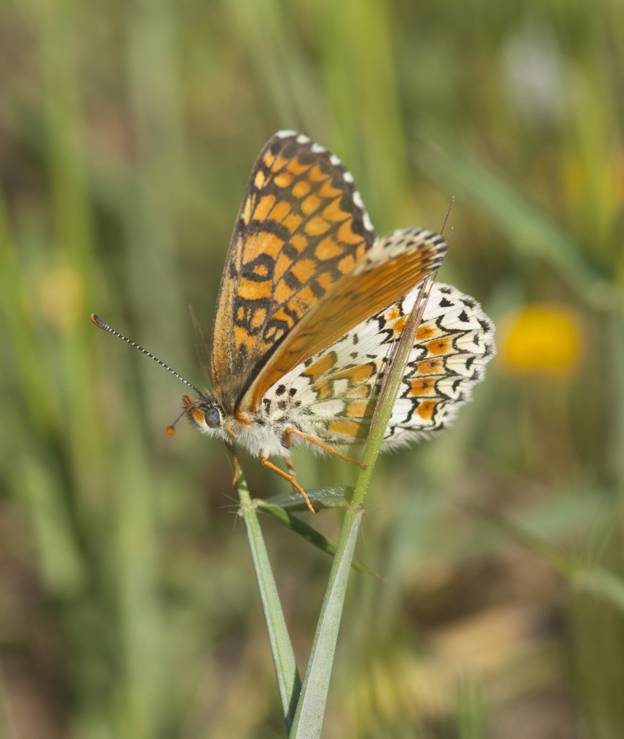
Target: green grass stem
[
  {"x": 310, "y": 713},
  {"x": 288, "y": 679}
]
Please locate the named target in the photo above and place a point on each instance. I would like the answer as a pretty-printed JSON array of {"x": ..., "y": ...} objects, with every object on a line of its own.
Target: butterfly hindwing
[
  {"x": 301, "y": 227},
  {"x": 332, "y": 395},
  {"x": 453, "y": 345}
]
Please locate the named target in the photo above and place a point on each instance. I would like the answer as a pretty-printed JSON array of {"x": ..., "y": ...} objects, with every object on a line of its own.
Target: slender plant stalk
[
  {"x": 288, "y": 679},
  {"x": 310, "y": 712}
]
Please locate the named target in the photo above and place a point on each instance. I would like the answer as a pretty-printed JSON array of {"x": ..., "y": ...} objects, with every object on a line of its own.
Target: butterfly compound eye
[{"x": 212, "y": 417}]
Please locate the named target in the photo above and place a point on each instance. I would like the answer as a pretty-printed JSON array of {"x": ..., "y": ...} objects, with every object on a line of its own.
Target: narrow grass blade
[
  {"x": 311, "y": 707},
  {"x": 309, "y": 533},
  {"x": 288, "y": 679},
  {"x": 333, "y": 497},
  {"x": 310, "y": 714}
]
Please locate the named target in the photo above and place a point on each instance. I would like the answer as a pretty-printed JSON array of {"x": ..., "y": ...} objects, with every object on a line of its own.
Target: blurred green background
[{"x": 128, "y": 604}]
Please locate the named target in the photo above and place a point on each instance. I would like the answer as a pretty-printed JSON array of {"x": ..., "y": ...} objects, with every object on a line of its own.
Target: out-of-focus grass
[{"x": 128, "y": 605}]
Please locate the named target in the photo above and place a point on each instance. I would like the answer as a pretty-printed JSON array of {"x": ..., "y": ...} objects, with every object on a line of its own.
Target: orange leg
[
  {"x": 321, "y": 444},
  {"x": 236, "y": 470},
  {"x": 287, "y": 476},
  {"x": 290, "y": 466}
]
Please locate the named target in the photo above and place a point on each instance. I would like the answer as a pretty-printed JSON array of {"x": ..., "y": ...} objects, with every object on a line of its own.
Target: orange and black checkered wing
[
  {"x": 301, "y": 228},
  {"x": 389, "y": 270}
]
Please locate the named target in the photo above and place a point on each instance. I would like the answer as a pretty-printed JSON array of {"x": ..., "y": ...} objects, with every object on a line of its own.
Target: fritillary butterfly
[{"x": 310, "y": 305}]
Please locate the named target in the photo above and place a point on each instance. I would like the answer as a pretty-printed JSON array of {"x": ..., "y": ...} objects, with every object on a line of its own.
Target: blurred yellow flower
[
  {"x": 544, "y": 339},
  {"x": 62, "y": 297}
]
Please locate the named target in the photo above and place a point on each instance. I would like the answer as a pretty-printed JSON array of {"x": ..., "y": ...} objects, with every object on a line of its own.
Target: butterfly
[{"x": 310, "y": 306}]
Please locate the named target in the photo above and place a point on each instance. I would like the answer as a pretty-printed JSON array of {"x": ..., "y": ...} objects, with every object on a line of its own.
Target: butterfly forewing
[
  {"x": 389, "y": 270},
  {"x": 301, "y": 227}
]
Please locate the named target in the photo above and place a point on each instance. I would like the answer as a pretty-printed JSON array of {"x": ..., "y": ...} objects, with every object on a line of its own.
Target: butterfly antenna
[
  {"x": 447, "y": 215},
  {"x": 170, "y": 430},
  {"x": 100, "y": 323}
]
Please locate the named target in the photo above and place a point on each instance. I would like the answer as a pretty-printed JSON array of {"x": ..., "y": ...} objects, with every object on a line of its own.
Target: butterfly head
[{"x": 204, "y": 412}]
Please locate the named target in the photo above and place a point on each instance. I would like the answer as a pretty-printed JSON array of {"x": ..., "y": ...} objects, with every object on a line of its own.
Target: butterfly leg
[
  {"x": 290, "y": 466},
  {"x": 290, "y": 476},
  {"x": 290, "y": 431},
  {"x": 236, "y": 470}
]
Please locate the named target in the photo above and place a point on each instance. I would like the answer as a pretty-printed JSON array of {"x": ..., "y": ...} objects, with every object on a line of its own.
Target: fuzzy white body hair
[
  {"x": 257, "y": 439},
  {"x": 262, "y": 437}
]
